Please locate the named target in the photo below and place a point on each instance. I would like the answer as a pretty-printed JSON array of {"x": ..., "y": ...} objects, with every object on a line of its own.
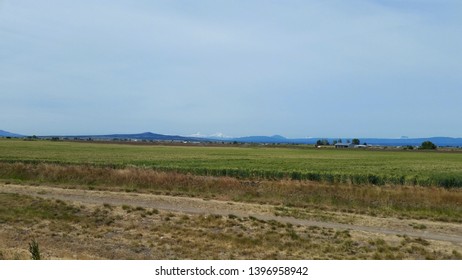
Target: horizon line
[{"x": 198, "y": 135}]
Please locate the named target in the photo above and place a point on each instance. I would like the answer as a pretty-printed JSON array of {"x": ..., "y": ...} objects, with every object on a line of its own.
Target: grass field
[{"x": 357, "y": 167}]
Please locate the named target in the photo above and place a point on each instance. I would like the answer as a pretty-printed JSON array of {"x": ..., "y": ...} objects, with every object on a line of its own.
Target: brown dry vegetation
[
  {"x": 67, "y": 230},
  {"x": 73, "y": 231},
  {"x": 400, "y": 201}
]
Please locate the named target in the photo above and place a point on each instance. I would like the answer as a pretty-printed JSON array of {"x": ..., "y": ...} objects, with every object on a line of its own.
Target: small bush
[
  {"x": 232, "y": 216},
  {"x": 34, "y": 250}
]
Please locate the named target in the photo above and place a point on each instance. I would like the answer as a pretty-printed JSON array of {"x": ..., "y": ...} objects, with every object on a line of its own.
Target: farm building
[
  {"x": 344, "y": 145},
  {"x": 360, "y": 146}
]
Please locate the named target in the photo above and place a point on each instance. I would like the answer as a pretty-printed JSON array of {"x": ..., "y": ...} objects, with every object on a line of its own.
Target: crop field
[{"x": 357, "y": 167}]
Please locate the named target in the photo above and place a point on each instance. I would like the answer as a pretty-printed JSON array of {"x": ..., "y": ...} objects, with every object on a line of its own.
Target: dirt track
[{"x": 447, "y": 232}]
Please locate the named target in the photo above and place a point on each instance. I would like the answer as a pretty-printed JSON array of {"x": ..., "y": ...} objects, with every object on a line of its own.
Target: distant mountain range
[
  {"x": 275, "y": 139},
  {"x": 9, "y": 134},
  {"x": 149, "y": 136}
]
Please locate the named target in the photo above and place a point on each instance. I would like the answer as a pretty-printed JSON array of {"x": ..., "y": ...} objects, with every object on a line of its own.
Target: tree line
[{"x": 426, "y": 145}]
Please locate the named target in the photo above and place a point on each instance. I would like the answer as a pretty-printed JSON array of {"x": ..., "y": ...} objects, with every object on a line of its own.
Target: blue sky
[{"x": 330, "y": 68}]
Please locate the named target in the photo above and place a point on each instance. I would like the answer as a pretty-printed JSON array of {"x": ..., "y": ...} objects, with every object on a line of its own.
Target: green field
[{"x": 299, "y": 163}]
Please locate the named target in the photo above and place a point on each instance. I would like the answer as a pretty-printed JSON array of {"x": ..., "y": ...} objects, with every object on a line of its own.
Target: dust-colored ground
[{"x": 130, "y": 226}]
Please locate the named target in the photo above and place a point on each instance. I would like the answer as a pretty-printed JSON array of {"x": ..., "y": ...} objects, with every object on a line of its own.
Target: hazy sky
[{"x": 331, "y": 68}]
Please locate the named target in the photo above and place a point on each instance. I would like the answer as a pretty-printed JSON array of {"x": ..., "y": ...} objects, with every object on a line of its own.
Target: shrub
[{"x": 34, "y": 250}]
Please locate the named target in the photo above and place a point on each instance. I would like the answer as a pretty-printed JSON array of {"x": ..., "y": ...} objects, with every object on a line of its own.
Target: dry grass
[
  {"x": 401, "y": 201},
  {"x": 108, "y": 232}
]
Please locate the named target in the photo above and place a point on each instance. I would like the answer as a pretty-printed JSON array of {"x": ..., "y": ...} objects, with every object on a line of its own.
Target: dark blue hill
[
  {"x": 9, "y": 134},
  {"x": 148, "y": 136}
]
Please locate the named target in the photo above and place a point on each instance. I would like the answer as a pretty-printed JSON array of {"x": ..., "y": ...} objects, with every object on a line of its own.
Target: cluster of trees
[
  {"x": 322, "y": 142},
  {"x": 427, "y": 145},
  {"x": 325, "y": 142}
]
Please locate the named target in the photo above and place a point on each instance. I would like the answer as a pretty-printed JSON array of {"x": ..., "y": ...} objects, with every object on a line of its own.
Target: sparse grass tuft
[
  {"x": 418, "y": 226},
  {"x": 107, "y": 205},
  {"x": 456, "y": 255},
  {"x": 153, "y": 211},
  {"x": 232, "y": 216}
]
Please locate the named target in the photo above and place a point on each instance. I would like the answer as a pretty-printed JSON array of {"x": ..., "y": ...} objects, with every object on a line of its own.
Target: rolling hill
[{"x": 9, "y": 134}]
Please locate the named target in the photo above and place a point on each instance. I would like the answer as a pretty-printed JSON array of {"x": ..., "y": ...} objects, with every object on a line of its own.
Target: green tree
[
  {"x": 355, "y": 141},
  {"x": 322, "y": 142},
  {"x": 428, "y": 145}
]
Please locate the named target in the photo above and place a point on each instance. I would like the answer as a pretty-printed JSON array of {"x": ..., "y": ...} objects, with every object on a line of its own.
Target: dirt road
[{"x": 447, "y": 232}]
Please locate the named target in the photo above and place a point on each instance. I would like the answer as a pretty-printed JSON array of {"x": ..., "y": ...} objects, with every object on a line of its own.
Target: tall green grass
[{"x": 357, "y": 167}]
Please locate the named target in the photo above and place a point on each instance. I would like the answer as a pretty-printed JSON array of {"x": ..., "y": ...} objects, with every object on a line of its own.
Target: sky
[{"x": 325, "y": 68}]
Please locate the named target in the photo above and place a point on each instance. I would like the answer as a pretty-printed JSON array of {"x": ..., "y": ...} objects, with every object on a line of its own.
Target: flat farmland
[
  {"x": 357, "y": 167},
  {"x": 117, "y": 201}
]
